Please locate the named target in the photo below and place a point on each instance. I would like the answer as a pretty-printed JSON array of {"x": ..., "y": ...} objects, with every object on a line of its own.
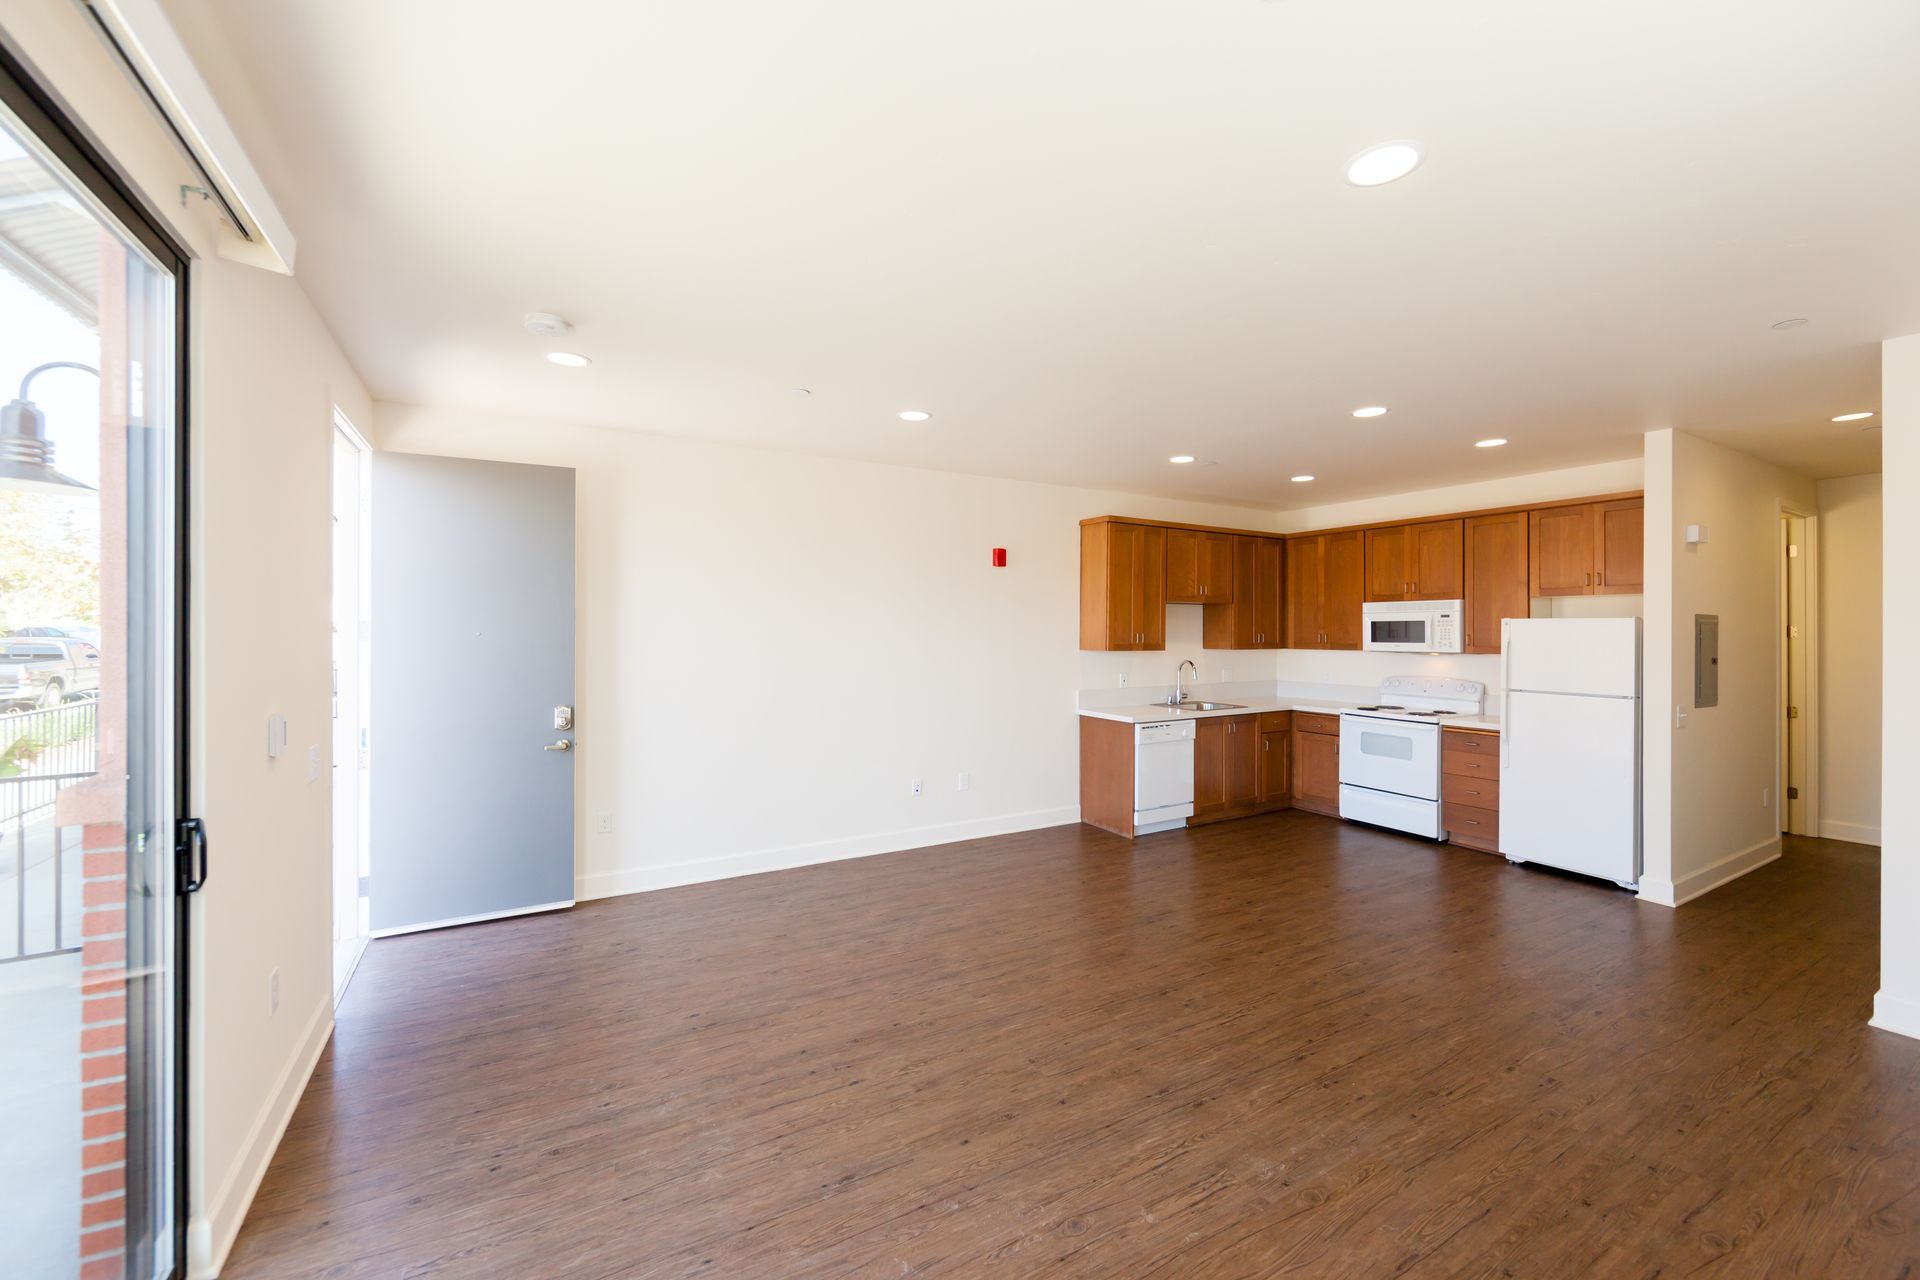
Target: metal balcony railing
[{"x": 42, "y": 753}]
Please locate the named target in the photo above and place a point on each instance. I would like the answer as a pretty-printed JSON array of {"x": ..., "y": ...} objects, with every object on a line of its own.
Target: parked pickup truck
[{"x": 45, "y": 671}]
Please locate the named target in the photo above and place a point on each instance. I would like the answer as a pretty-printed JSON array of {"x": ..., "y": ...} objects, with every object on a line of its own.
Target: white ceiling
[{"x": 1088, "y": 234}]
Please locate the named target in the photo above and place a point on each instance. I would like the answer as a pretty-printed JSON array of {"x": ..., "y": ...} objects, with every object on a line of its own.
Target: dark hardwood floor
[{"x": 1275, "y": 1047}]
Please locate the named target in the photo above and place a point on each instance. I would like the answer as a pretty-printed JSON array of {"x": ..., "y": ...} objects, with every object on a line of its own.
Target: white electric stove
[{"x": 1390, "y": 752}]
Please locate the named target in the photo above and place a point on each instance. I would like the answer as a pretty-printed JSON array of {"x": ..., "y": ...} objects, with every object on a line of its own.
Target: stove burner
[
  {"x": 1387, "y": 708},
  {"x": 1435, "y": 712}
]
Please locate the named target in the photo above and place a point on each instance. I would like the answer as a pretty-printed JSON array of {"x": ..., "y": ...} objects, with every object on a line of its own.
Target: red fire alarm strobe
[{"x": 999, "y": 557}]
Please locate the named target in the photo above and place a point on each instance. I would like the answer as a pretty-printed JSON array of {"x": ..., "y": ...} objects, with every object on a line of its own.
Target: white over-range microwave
[{"x": 1412, "y": 626}]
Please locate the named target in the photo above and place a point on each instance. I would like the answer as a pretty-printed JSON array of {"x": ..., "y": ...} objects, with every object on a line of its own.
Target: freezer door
[
  {"x": 1570, "y": 784},
  {"x": 1573, "y": 655}
]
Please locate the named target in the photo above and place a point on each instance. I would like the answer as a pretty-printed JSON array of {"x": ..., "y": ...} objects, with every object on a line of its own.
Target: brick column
[{"x": 103, "y": 1052}]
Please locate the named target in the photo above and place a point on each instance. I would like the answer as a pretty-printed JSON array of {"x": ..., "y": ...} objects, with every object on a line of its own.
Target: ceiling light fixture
[
  {"x": 1301, "y": 479},
  {"x": 546, "y": 324},
  {"x": 914, "y": 415},
  {"x": 571, "y": 359},
  {"x": 1388, "y": 162},
  {"x": 1852, "y": 417},
  {"x": 1794, "y": 323},
  {"x": 1494, "y": 443},
  {"x": 1181, "y": 458},
  {"x": 1371, "y": 411}
]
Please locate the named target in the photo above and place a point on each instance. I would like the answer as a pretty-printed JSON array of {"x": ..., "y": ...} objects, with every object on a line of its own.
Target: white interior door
[{"x": 471, "y": 781}]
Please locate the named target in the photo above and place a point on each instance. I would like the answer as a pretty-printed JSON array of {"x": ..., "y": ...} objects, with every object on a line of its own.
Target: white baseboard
[
  {"x": 1674, "y": 893},
  {"x": 669, "y": 875},
  {"x": 214, "y": 1228},
  {"x": 1856, "y": 832},
  {"x": 1897, "y": 1014},
  {"x": 482, "y": 918}
]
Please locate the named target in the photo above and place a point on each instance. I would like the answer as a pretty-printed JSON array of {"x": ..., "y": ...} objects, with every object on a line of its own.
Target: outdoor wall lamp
[{"x": 26, "y": 455}]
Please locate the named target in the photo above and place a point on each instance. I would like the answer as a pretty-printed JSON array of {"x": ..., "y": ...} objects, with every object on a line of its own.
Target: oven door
[
  {"x": 1398, "y": 632},
  {"x": 1390, "y": 755}
]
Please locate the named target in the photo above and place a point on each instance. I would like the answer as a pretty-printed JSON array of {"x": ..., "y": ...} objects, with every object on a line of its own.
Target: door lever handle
[{"x": 565, "y": 744}]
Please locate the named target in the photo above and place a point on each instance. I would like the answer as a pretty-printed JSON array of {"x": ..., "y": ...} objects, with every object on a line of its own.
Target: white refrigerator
[{"x": 1570, "y": 744}]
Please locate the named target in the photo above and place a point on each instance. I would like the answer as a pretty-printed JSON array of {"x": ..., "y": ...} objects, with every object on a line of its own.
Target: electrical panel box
[{"x": 1706, "y": 659}]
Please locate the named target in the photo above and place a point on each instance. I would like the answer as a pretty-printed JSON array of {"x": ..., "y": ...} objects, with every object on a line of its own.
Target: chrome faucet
[{"x": 1178, "y": 696}]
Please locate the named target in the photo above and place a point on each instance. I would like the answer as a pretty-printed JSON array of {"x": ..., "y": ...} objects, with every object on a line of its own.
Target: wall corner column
[{"x": 1897, "y": 1005}]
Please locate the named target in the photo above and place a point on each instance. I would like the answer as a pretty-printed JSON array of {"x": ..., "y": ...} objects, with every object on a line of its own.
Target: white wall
[
  {"x": 1716, "y": 766},
  {"x": 1849, "y": 673},
  {"x": 771, "y": 646},
  {"x": 1897, "y": 1007},
  {"x": 265, "y": 374}
]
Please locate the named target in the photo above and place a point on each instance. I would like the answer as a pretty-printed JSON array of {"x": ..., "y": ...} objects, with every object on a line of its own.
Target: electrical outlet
[
  {"x": 603, "y": 823},
  {"x": 273, "y": 992},
  {"x": 1226, "y": 673},
  {"x": 1765, "y": 794},
  {"x": 1123, "y": 679},
  {"x": 313, "y": 763},
  {"x": 965, "y": 783},
  {"x": 916, "y": 786}
]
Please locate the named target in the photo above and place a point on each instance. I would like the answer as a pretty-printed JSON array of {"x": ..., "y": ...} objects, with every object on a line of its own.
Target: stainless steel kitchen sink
[{"x": 1206, "y": 706}]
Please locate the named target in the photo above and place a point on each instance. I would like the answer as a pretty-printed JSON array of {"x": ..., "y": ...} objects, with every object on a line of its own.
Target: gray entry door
[{"x": 470, "y": 805}]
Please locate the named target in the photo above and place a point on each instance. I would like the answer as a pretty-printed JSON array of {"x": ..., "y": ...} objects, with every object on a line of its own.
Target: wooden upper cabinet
[
  {"x": 1496, "y": 577},
  {"x": 1199, "y": 567},
  {"x": 1343, "y": 588},
  {"x": 1123, "y": 604},
  {"x": 1326, "y": 585},
  {"x": 1387, "y": 563},
  {"x": 1252, "y": 618},
  {"x": 1560, "y": 546},
  {"x": 1303, "y": 594},
  {"x": 1424, "y": 561},
  {"x": 1619, "y": 535},
  {"x": 1592, "y": 549}
]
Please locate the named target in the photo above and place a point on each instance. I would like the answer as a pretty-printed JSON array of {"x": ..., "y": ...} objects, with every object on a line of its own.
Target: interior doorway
[
  {"x": 1798, "y": 756},
  {"x": 351, "y": 630}
]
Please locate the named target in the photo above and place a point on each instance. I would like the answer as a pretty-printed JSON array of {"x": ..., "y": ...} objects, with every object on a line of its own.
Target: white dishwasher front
[{"x": 1162, "y": 775}]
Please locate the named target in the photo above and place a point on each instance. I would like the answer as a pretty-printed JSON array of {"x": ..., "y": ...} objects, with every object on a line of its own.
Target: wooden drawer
[
  {"x": 1467, "y": 825},
  {"x": 1466, "y": 764},
  {"x": 1271, "y": 721},
  {"x": 1470, "y": 742},
  {"x": 1314, "y": 722},
  {"x": 1477, "y": 792}
]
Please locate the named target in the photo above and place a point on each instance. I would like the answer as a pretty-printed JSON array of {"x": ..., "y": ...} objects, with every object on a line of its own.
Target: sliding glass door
[{"x": 91, "y": 602}]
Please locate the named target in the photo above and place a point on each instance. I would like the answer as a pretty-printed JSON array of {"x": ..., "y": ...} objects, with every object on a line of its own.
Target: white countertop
[{"x": 1154, "y": 713}]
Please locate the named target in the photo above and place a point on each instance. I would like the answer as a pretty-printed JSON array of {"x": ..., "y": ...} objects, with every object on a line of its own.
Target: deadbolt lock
[{"x": 563, "y": 717}]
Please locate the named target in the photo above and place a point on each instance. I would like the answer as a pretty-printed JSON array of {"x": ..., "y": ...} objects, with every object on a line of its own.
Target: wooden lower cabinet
[
  {"x": 1316, "y": 763},
  {"x": 1470, "y": 788},
  {"x": 1240, "y": 766}
]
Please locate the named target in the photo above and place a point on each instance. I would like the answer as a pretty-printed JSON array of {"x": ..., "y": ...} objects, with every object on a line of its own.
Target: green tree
[{"x": 49, "y": 558}]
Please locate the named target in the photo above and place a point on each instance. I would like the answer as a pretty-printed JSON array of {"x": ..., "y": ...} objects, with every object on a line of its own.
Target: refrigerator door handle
[{"x": 1506, "y": 727}]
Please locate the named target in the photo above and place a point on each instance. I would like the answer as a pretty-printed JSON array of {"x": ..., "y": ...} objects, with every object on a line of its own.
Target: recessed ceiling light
[
  {"x": 1852, "y": 417},
  {"x": 1377, "y": 166},
  {"x": 1181, "y": 457},
  {"x": 1371, "y": 411},
  {"x": 1794, "y": 323},
  {"x": 571, "y": 359},
  {"x": 1301, "y": 479},
  {"x": 1494, "y": 443},
  {"x": 914, "y": 415}
]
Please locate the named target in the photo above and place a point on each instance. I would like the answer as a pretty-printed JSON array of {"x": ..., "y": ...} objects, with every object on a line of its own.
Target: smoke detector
[{"x": 545, "y": 324}]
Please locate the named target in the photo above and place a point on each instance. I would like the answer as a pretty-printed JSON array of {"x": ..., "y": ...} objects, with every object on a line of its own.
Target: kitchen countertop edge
[{"x": 1151, "y": 714}]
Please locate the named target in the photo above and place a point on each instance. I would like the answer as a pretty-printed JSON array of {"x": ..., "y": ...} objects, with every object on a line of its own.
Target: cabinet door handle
[
  {"x": 1599, "y": 577},
  {"x": 1589, "y": 581}
]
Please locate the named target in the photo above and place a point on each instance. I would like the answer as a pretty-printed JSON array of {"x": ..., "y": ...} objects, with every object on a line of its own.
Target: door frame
[
  {"x": 1809, "y": 718},
  {"x": 354, "y": 702},
  {"x": 57, "y": 127}
]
